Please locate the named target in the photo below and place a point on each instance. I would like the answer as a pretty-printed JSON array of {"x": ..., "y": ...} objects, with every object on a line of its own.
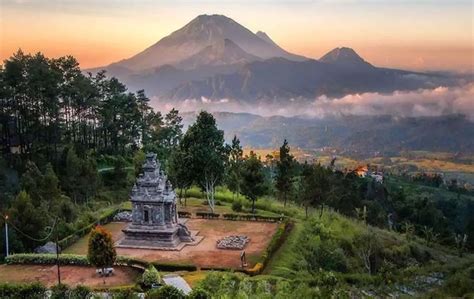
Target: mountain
[
  {"x": 345, "y": 57},
  {"x": 279, "y": 79},
  {"x": 215, "y": 57},
  {"x": 203, "y": 31},
  {"x": 222, "y": 52}
]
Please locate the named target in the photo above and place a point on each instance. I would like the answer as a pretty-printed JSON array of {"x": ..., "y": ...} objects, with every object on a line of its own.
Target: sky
[{"x": 408, "y": 34}]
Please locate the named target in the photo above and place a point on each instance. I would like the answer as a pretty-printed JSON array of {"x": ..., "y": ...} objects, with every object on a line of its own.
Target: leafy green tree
[
  {"x": 101, "y": 251},
  {"x": 234, "y": 169},
  {"x": 314, "y": 186},
  {"x": 253, "y": 179},
  {"x": 138, "y": 160},
  {"x": 72, "y": 169},
  {"x": 165, "y": 134},
  {"x": 50, "y": 184},
  {"x": 284, "y": 174},
  {"x": 27, "y": 218},
  {"x": 203, "y": 143},
  {"x": 179, "y": 172},
  {"x": 31, "y": 181},
  {"x": 368, "y": 247}
]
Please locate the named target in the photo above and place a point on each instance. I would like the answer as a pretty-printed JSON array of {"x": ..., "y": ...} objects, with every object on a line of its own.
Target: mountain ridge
[{"x": 215, "y": 57}]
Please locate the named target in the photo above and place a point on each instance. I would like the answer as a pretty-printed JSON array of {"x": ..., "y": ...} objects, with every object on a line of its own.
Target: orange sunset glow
[{"x": 418, "y": 35}]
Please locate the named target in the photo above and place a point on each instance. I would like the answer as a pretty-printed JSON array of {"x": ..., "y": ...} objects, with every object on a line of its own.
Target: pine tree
[
  {"x": 253, "y": 179},
  {"x": 234, "y": 169},
  {"x": 285, "y": 174}
]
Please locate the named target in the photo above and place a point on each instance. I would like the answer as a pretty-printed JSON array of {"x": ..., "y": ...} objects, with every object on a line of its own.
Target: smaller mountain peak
[
  {"x": 263, "y": 36},
  {"x": 344, "y": 56}
]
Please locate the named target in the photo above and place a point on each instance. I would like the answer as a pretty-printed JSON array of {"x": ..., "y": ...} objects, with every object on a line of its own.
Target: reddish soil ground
[
  {"x": 70, "y": 275},
  {"x": 206, "y": 254}
]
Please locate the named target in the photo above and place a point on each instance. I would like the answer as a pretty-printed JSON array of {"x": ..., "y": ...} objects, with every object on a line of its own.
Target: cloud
[{"x": 424, "y": 102}]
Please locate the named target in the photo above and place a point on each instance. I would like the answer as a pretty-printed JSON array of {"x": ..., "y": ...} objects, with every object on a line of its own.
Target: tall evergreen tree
[
  {"x": 234, "y": 167},
  {"x": 284, "y": 174},
  {"x": 253, "y": 179}
]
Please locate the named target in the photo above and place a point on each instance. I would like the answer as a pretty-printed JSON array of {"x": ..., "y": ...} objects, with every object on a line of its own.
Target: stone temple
[{"x": 155, "y": 223}]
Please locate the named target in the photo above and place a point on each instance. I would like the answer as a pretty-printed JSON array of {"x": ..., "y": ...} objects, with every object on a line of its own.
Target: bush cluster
[
  {"x": 237, "y": 206},
  {"x": 13, "y": 291},
  {"x": 71, "y": 239},
  {"x": 150, "y": 277}
]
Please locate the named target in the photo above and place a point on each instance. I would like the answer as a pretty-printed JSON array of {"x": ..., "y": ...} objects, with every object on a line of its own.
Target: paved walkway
[{"x": 177, "y": 282}]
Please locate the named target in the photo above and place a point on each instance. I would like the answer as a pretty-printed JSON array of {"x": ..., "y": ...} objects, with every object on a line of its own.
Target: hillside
[{"x": 389, "y": 135}]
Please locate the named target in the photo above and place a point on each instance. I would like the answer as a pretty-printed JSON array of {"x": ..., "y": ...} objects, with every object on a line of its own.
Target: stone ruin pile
[
  {"x": 233, "y": 242},
  {"x": 124, "y": 216}
]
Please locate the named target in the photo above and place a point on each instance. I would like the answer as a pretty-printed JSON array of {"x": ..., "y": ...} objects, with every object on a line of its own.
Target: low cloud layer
[
  {"x": 426, "y": 102},
  {"x": 432, "y": 102}
]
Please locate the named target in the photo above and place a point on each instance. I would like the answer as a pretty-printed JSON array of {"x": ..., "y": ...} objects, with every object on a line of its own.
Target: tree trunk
[
  {"x": 180, "y": 196},
  {"x": 306, "y": 211},
  {"x": 321, "y": 212},
  {"x": 185, "y": 197}
]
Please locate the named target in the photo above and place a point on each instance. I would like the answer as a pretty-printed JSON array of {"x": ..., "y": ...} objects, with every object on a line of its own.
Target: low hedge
[
  {"x": 277, "y": 240},
  {"x": 129, "y": 261},
  {"x": 184, "y": 214},
  {"x": 207, "y": 215},
  {"x": 13, "y": 291},
  {"x": 174, "y": 267},
  {"x": 47, "y": 259},
  {"x": 81, "y": 260},
  {"x": 253, "y": 217}
]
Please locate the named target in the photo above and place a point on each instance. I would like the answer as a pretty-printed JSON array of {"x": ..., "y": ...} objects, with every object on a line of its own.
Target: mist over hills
[
  {"x": 214, "y": 58},
  {"x": 362, "y": 136}
]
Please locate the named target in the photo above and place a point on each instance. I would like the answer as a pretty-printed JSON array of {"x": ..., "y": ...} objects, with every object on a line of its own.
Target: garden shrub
[
  {"x": 80, "y": 292},
  {"x": 125, "y": 294},
  {"x": 150, "y": 277},
  {"x": 30, "y": 291},
  {"x": 60, "y": 291},
  {"x": 198, "y": 293},
  {"x": 237, "y": 206},
  {"x": 168, "y": 292}
]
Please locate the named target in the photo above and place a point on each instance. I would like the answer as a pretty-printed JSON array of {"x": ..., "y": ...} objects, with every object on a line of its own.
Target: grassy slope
[{"x": 443, "y": 260}]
